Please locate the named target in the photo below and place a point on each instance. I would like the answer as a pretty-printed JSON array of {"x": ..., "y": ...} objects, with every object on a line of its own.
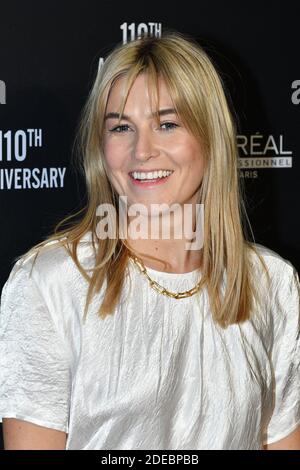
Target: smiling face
[{"x": 139, "y": 144}]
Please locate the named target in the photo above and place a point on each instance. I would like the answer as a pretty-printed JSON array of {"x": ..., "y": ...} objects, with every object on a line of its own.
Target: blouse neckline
[{"x": 167, "y": 275}]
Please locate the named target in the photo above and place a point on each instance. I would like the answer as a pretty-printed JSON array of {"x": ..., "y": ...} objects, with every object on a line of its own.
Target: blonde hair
[{"x": 198, "y": 95}]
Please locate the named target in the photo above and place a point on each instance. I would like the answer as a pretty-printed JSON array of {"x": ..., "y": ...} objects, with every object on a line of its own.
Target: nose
[{"x": 145, "y": 146}]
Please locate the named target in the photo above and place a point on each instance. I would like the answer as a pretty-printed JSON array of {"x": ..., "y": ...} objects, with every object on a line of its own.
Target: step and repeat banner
[{"x": 50, "y": 52}]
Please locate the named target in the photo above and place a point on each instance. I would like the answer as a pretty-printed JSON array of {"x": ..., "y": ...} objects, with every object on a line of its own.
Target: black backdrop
[{"x": 49, "y": 54}]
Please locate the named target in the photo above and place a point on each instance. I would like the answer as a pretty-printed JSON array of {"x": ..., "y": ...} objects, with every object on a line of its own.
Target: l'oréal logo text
[
  {"x": 2, "y": 92},
  {"x": 263, "y": 151}
]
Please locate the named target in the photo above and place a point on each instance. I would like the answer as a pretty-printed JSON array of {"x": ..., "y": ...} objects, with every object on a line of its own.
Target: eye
[
  {"x": 119, "y": 129},
  {"x": 170, "y": 125}
]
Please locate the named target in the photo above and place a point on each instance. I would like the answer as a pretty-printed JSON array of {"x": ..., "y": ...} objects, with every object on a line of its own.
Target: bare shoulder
[{"x": 23, "y": 435}]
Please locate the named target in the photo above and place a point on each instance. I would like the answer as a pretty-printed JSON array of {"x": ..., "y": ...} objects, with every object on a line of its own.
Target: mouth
[{"x": 147, "y": 179}]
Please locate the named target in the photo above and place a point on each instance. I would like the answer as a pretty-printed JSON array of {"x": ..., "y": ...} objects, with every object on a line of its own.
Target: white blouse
[{"x": 158, "y": 373}]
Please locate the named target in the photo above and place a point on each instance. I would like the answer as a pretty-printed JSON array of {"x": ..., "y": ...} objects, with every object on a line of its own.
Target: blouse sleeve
[
  {"x": 285, "y": 357},
  {"x": 34, "y": 361}
]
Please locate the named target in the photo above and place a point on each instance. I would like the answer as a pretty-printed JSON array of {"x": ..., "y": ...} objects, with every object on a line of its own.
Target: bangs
[
  {"x": 152, "y": 75},
  {"x": 185, "y": 90}
]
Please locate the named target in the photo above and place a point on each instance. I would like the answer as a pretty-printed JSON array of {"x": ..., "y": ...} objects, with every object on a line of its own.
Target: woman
[{"x": 130, "y": 342}]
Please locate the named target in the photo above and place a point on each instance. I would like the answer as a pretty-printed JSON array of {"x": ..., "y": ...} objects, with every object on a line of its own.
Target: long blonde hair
[{"x": 198, "y": 95}]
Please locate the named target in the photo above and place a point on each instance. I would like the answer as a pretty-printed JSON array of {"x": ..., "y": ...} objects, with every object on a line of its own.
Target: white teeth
[{"x": 151, "y": 175}]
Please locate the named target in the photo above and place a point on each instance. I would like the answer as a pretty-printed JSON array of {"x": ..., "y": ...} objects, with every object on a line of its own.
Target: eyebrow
[{"x": 161, "y": 112}]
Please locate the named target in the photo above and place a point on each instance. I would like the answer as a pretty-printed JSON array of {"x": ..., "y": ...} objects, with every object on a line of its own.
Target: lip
[
  {"x": 142, "y": 170},
  {"x": 149, "y": 184}
]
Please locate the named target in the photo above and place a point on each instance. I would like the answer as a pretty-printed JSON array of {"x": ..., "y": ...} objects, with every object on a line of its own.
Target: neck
[
  {"x": 170, "y": 257},
  {"x": 171, "y": 254}
]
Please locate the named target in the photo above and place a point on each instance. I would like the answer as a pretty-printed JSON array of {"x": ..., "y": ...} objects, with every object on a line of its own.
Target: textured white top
[{"x": 158, "y": 374}]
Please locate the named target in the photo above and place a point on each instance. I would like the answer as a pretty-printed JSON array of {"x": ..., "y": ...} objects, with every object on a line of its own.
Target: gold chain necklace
[{"x": 160, "y": 289}]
